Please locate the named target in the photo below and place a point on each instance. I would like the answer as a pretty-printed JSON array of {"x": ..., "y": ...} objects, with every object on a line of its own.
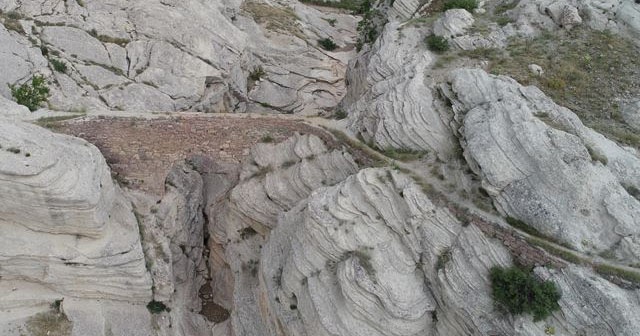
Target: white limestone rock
[
  {"x": 452, "y": 23},
  {"x": 274, "y": 179},
  {"x": 543, "y": 166},
  {"x": 631, "y": 114},
  {"x": 391, "y": 96},
  {"x": 9, "y": 109},
  {"x": 63, "y": 222},
  {"x": 191, "y": 55}
]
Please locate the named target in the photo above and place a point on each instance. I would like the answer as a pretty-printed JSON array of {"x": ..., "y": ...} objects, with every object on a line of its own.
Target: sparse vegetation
[
  {"x": 247, "y": 232},
  {"x": 267, "y": 138},
  {"x": 109, "y": 39},
  {"x": 618, "y": 272},
  {"x": 585, "y": 70},
  {"x": 340, "y": 114},
  {"x": 633, "y": 191},
  {"x": 52, "y": 122},
  {"x": 13, "y": 150},
  {"x": 437, "y": 43},
  {"x": 278, "y": 19},
  {"x": 157, "y": 307},
  {"x": 327, "y": 44},
  {"x": 469, "y": 5},
  {"x": 31, "y": 95},
  {"x": 520, "y": 292},
  {"x": 505, "y": 6},
  {"x": 443, "y": 259},
  {"x": 370, "y": 25},
  {"x": 596, "y": 156},
  {"x": 352, "y": 5},
  {"x": 58, "y": 65},
  {"x": 50, "y": 323},
  {"x": 257, "y": 73},
  {"x": 332, "y": 22},
  {"x": 403, "y": 154}
]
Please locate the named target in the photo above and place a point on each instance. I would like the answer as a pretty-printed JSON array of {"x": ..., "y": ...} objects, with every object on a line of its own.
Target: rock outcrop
[
  {"x": 64, "y": 224},
  {"x": 274, "y": 180},
  {"x": 177, "y": 55},
  {"x": 391, "y": 100},
  {"x": 544, "y": 167}
]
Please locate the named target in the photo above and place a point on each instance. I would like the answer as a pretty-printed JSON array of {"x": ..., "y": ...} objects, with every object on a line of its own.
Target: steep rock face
[
  {"x": 274, "y": 179},
  {"x": 177, "y": 55},
  {"x": 358, "y": 258},
  {"x": 544, "y": 167},
  {"x": 173, "y": 241},
  {"x": 373, "y": 256},
  {"x": 63, "y": 222},
  {"x": 391, "y": 95}
]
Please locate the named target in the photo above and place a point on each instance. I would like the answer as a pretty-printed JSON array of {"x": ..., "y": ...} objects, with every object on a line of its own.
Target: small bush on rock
[
  {"x": 437, "y": 43},
  {"x": 327, "y": 44},
  {"x": 59, "y": 65},
  {"x": 519, "y": 292},
  {"x": 31, "y": 95},
  {"x": 157, "y": 307},
  {"x": 469, "y": 5}
]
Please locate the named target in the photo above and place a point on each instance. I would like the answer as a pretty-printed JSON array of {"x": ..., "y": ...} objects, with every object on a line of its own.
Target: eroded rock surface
[
  {"x": 544, "y": 167},
  {"x": 176, "y": 55},
  {"x": 391, "y": 97},
  {"x": 64, "y": 223}
]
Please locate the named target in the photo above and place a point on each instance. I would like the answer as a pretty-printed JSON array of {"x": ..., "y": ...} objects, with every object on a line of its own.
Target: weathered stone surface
[
  {"x": 391, "y": 97},
  {"x": 17, "y": 60},
  {"x": 64, "y": 224},
  {"x": 631, "y": 114},
  {"x": 273, "y": 180},
  {"x": 543, "y": 166},
  {"x": 9, "y": 109},
  {"x": 140, "y": 97},
  {"x": 199, "y": 55},
  {"x": 454, "y": 22}
]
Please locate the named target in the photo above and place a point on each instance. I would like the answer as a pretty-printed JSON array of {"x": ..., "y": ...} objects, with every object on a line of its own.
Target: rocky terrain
[{"x": 275, "y": 167}]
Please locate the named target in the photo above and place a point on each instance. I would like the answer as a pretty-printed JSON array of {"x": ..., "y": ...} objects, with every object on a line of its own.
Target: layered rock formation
[
  {"x": 64, "y": 223},
  {"x": 391, "y": 99},
  {"x": 274, "y": 179},
  {"x": 544, "y": 167}
]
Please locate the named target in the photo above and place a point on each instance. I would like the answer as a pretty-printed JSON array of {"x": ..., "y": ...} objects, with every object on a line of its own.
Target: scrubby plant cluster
[
  {"x": 520, "y": 292},
  {"x": 327, "y": 44},
  {"x": 469, "y": 5},
  {"x": 437, "y": 43},
  {"x": 31, "y": 95}
]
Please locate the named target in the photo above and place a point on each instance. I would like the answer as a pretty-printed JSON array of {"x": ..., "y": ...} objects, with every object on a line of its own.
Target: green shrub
[
  {"x": 327, "y": 44},
  {"x": 437, "y": 43},
  {"x": 257, "y": 73},
  {"x": 519, "y": 292},
  {"x": 340, "y": 114},
  {"x": 59, "y": 65},
  {"x": 267, "y": 138},
  {"x": 31, "y": 95},
  {"x": 157, "y": 307},
  {"x": 469, "y": 5}
]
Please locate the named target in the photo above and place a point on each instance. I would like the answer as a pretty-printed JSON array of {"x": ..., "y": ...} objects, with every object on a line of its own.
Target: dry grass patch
[
  {"x": 278, "y": 19},
  {"x": 586, "y": 71},
  {"x": 50, "y": 323}
]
